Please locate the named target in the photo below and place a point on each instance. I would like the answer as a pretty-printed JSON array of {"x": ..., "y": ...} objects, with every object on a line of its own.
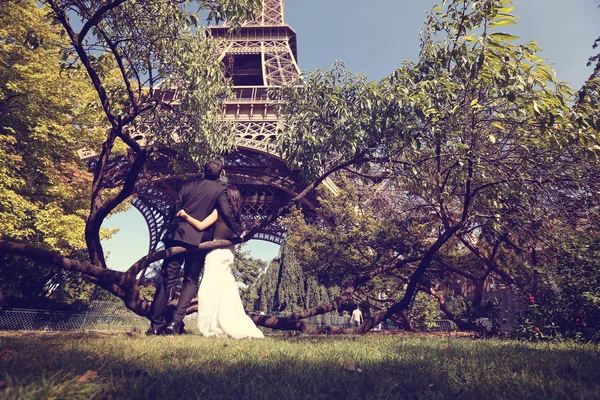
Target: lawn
[{"x": 132, "y": 366}]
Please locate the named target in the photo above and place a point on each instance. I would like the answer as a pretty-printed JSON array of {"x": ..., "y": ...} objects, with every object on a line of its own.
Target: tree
[
  {"x": 45, "y": 113},
  {"x": 563, "y": 294},
  {"x": 246, "y": 268},
  {"x": 477, "y": 144},
  {"x": 126, "y": 49},
  {"x": 284, "y": 287},
  {"x": 247, "y": 271}
]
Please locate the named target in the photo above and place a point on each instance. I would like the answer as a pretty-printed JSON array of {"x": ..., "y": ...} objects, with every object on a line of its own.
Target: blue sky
[{"x": 374, "y": 40}]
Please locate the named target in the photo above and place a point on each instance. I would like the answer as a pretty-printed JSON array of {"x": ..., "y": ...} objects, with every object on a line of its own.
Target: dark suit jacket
[{"x": 199, "y": 199}]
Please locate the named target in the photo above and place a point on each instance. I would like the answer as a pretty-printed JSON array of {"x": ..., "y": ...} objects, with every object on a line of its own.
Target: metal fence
[
  {"x": 339, "y": 320},
  {"x": 114, "y": 316},
  {"x": 100, "y": 316}
]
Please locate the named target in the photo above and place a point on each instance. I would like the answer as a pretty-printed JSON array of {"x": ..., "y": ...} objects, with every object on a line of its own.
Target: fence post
[
  {"x": 85, "y": 319},
  {"x": 49, "y": 321}
]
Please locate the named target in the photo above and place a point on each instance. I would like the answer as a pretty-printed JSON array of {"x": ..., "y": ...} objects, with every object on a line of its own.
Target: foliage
[
  {"x": 353, "y": 238},
  {"x": 246, "y": 268},
  {"x": 45, "y": 115},
  {"x": 153, "y": 47},
  {"x": 27, "y": 283},
  {"x": 284, "y": 287},
  {"x": 247, "y": 271},
  {"x": 261, "y": 295},
  {"x": 457, "y": 305},
  {"x": 148, "y": 291},
  {"x": 475, "y": 146},
  {"x": 27, "y": 280},
  {"x": 589, "y": 95},
  {"x": 565, "y": 298},
  {"x": 470, "y": 154},
  {"x": 424, "y": 312},
  {"x": 158, "y": 88}
]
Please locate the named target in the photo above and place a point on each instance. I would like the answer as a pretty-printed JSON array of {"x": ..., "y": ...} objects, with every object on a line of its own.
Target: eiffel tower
[{"x": 261, "y": 55}]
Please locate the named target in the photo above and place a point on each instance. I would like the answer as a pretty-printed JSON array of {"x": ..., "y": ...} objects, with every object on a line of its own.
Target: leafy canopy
[{"x": 45, "y": 116}]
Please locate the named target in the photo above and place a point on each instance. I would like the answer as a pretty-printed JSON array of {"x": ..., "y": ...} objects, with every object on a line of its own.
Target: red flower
[
  {"x": 576, "y": 319},
  {"x": 536, "y": 329},
  {"x": 532, "y": 299}
]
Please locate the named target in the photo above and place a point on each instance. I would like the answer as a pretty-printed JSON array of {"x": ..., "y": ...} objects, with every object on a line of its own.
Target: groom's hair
[{"x": 212, "y": 170}]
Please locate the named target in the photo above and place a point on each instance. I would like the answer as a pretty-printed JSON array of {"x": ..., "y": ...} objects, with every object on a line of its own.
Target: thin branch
[
  {"x": 85, "y": 60},
  {"x": 96, "y": 19},
  {"x": 457, "y": 271},
  {"x": 119, "y": 59}
]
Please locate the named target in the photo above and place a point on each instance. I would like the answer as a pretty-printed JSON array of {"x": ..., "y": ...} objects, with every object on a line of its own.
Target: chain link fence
[
  {"x": 100, "y": 316},
  {"x": 109, "y": 316}
]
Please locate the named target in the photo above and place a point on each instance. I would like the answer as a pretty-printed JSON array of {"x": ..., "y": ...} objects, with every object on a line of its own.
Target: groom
[{"x": 198, "y": 199}]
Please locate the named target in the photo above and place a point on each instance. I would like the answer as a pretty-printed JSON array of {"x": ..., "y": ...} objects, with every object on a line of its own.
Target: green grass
[{"x": 49, "y": 365}]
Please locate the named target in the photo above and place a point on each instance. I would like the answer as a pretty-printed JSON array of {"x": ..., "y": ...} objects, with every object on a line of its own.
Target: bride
[{"x": 220, "y": 309}]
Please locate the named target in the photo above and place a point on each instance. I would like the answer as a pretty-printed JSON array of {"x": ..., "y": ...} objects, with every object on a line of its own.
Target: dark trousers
[{"x": 192, "y": 265}]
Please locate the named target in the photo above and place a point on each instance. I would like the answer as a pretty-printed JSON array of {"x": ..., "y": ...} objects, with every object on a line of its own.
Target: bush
[
  {"x": 565, "y": 301},
  {"x": 424, "y": 312},
  {"x": 560, "y": 312}
]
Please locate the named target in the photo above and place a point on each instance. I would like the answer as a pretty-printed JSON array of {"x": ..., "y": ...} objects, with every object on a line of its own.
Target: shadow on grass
[{"x": 48, "y": 365}]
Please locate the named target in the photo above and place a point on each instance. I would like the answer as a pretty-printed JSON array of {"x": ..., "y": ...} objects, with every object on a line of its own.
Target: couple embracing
[{"x": 206, "y": 210}]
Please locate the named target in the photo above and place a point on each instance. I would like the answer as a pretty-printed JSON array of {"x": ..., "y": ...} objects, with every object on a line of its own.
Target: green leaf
[{"x": 502, "y": 22}]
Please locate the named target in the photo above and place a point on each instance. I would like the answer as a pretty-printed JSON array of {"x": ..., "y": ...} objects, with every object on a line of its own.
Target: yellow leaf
[
  {"x": 497, "y": 125},
  {"x": 504, "y": 36},
  {"x": 506, "y": 9},
  {"x": 502, "y": 22},
  {"x": 545, "y": 74},
  {"x": 471, "y": 38},
  {"x": 348, "y": 365},
  {"x": 89, "y": 375}
]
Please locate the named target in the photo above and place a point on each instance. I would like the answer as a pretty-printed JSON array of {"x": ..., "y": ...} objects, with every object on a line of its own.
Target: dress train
[{"x": 220, "y": 308}]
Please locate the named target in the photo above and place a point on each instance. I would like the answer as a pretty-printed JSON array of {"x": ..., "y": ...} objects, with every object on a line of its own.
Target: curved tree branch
[
  {"x": 96, "y": 18},
  {"x": 101, "y": 211}
]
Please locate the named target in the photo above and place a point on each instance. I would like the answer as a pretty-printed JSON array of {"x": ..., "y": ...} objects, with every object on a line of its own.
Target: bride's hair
[{"x": 235, "y": 200}]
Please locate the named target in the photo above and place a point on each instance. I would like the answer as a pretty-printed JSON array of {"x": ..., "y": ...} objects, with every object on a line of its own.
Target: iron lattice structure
[{"x": 260, "y": 56}]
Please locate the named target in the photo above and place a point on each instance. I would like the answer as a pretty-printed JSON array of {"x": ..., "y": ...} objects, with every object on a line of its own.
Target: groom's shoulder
[
  {"x": 191, "y": 185},
  {"x": 204, "y": 184}
]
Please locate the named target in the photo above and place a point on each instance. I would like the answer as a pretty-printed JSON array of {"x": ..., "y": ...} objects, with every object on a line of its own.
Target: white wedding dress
[{"x": 220, "y": 308}]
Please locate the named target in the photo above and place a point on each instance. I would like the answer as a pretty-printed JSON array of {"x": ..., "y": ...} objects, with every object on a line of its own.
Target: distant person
[
  {"x": 199, "y": 198},
  {"x": 220, "y": 308},
  {"x": 357, "y": 317}
]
